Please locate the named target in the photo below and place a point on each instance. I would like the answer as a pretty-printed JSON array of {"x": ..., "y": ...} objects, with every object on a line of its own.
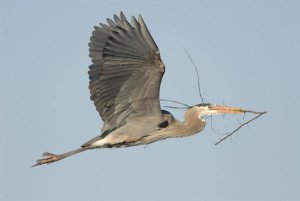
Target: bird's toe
[{"x": 47, "y": 159}]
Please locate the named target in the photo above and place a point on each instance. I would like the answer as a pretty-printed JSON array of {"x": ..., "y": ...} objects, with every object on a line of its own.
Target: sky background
[{"x": 248, "y": 56}]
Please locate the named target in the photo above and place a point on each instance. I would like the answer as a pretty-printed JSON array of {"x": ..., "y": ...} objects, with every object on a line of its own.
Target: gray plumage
[
  {"x": 126, "y": 72},
  {"x": 125, "y": 77}
]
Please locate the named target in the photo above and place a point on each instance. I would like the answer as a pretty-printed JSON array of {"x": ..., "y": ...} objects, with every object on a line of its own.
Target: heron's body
[
  {"x": 164, "y": 127},
  {"x": 127, "y": 134},
  {"x": 125, "y": 77}
]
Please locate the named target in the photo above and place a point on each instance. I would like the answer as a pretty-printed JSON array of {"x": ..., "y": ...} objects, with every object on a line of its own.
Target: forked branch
[{"x": 243, "y": 124}]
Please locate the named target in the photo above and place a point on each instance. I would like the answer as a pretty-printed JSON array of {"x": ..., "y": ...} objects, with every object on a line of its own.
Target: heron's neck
[
  {"x": 175, "y": 130},
  {"x": 194, "y": 126}
]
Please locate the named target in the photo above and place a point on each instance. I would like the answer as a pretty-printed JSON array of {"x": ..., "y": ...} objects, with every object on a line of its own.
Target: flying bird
[{"x": 125, "y": 77}]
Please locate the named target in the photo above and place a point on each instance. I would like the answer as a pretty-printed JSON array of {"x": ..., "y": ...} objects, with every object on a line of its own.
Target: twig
[
  {"x": 211, "y": 125},
  {"x": 173, "y": 107},
  {"x": 198, "y": 77},
  {"x": 177, "y": 102},
  {"x": 243, "y": 124}
]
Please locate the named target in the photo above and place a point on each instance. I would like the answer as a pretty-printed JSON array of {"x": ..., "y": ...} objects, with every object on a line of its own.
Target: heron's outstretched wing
[{"x": 126, "y": 71}]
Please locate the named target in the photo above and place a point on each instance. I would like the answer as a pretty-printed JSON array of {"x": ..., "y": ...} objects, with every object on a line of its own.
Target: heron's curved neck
[
  {"x": 192, "y": 125},
  {"x": 193, "y": 122}
]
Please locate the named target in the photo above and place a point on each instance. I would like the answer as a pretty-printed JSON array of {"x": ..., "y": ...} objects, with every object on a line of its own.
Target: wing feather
[{"x": 126, "y": 71}]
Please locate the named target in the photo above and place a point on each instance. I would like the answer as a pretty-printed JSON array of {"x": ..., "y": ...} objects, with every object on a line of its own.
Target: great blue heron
[{"x": 125, "y": 77}]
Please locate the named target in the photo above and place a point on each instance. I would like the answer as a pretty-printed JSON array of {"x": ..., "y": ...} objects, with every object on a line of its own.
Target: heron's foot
[{"x": 47, "y": 159}]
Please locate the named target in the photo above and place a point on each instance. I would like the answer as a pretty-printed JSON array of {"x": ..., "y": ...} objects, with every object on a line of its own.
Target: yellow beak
[{"x": 219, "y": 109}]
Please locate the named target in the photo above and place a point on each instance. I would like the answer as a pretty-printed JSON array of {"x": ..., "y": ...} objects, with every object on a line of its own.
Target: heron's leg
[{"x": 49, "y": 158}]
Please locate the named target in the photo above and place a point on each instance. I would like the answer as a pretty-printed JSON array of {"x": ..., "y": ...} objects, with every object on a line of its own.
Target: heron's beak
[{"x": 219, "y": 109}]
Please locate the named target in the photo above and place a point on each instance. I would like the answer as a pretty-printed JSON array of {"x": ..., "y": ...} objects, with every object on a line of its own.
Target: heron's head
[
  {"x": 198, "y": 112},
  {"x": 206, "y": 109}
]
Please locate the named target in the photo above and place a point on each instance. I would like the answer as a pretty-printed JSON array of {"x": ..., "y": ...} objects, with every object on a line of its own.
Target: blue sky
[{"x": 247, "y": 53}]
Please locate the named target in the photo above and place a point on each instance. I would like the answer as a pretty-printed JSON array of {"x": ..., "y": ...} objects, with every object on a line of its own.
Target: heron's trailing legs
[{"x": 50, "y": 158}]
